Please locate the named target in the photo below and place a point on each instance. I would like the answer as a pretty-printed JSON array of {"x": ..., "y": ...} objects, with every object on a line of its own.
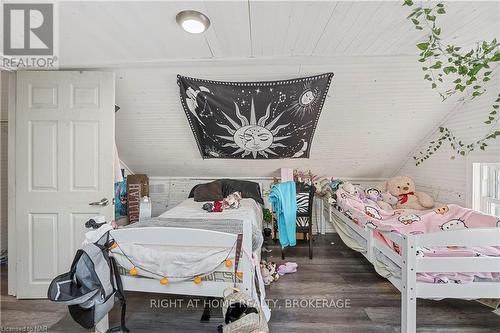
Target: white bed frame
[
  {"x": 193, "y": 238},
  {"x": 410, "y": 265}
]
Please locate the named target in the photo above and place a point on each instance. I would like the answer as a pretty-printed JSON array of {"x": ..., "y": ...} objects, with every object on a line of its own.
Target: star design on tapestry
[{"x": 214, "y": 152}]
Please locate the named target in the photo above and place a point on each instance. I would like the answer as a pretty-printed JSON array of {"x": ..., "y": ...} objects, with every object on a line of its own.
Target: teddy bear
[{"x": 403, "y": 188}]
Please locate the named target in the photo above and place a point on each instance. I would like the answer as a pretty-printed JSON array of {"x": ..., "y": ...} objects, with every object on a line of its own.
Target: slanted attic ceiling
[{"x": 378, "y": 111}]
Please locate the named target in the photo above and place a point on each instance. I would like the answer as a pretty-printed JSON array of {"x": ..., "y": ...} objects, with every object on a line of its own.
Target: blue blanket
[{"x": 284, "y": 202}]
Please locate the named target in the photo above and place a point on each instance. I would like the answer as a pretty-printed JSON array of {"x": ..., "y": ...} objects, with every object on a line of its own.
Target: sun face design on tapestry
[
  {"x": 254, "y": 120},
  {"x": 252, "y": 136}
]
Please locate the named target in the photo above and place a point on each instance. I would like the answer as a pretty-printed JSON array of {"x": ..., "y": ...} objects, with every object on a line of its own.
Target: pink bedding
[{"x": 441, "y": 219}]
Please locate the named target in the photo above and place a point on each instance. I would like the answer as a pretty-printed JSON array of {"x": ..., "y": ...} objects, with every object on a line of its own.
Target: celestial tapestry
[{"x": 254, "y": 120}]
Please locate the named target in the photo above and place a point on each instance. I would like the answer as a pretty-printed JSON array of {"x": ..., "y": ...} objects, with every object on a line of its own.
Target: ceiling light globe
[{"x": 192, "y": 21}]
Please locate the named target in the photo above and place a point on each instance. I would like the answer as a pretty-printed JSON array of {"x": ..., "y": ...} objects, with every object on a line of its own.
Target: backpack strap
[
  {"x": 237, "y": 254},
  {"x": 78, "y": 255},
  {"x": 119, "y": 293}
]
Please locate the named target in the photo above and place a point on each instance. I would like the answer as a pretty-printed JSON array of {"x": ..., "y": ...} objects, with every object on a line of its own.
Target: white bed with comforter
[
  {"x": 401, "y": 268},
  {"x": 187, "y": 242}
]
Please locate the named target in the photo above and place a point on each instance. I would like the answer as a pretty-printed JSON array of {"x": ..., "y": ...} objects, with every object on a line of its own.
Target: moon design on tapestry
[
  {"x": 306, "y": 101},
  {"x": 306, "y": 98},
  {"x": 192, "y": 101},
  {"x": 252, "y": 136},
  {"x": 254, "y": 120},
  {"x": 302, "y": 150}
]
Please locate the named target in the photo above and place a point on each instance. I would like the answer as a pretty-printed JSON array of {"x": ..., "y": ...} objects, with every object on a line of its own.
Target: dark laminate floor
[{"x": 336, "y": 273}]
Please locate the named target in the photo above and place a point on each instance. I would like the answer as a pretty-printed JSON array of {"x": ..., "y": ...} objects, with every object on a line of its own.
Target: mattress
[
  {"x": 181, "y": 263},
  {"x": 249, "y": 212},
  {"x": 388, "y": 268}
]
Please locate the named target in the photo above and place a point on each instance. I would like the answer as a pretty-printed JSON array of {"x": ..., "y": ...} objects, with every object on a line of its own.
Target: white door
[{"x": 64, "y": 162}]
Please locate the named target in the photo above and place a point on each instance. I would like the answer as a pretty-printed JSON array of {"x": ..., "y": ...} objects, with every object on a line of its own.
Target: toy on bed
[
  {"x": 403, "y": 188},
  {"x": 353, "y": 190},
  {"x": 322, "y": 185},
  {"x": 373, "y": 194},
  {"x": 388, "y": 201},
  {"x": 358, "y": 192},
  {"x": 335, "y": 184},
  {"x": 213, "y": 207},
  {"x": 232, "y": 201},
  {"x": 384, "y": 200}
]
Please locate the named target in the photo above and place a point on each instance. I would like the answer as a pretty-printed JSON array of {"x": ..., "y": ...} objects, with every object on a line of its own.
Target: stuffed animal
[
  {"x": 403, "y": 188},
  {"x": 348, "y": 187},
  {"x": 383, "y": 200},
  {"x": 335, "y": 184},
  {"x": 353, "y": 190},
  {"x": 373, "y": 194},
  {"x": 357, "y": 192},
  {"x": 266, "y": 275},
  {"x": 388, "y": 201},
  {"x": 273, "y": 268},
  {"x": 269, "y": 273},
  {"x": 360, "y": 193},
  {"x": 232, "y": 200},
  {"x": 389, "y": 198},
  {"x": 215, "y": 207},
  {"x": 208, "y": 207},
  {"x": 322, "y": 186}
]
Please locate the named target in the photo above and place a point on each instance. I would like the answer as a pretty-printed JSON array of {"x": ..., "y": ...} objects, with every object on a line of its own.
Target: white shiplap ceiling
[
  {"x": 114, "y": 33},
  {"x": 378, "y": 109}
]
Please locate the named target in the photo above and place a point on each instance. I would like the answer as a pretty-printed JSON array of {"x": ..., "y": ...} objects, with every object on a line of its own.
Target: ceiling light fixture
[{"x": 192, "y": 21}]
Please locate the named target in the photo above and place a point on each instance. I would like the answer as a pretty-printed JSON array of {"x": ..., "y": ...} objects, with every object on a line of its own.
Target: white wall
[
  {"x": 364, "y": 129},
  {"x": 3, "y": 160},
  {"x": 445, "y": 176}
]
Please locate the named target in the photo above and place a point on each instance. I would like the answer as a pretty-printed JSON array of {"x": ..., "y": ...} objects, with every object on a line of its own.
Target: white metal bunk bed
[{"x": 410, "y": 264}]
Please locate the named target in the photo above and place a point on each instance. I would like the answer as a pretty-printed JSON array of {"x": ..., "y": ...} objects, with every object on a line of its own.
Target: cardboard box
[{"x": 137, "y": 187}]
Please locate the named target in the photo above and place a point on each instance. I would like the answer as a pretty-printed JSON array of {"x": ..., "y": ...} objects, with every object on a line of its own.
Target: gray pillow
[
  {"x": 208, "y": 192},
  {"x": 247, "y": 188}
]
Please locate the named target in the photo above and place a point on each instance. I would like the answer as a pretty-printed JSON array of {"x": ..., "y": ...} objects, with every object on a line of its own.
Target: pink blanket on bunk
[{"x": 441, "y": 219}]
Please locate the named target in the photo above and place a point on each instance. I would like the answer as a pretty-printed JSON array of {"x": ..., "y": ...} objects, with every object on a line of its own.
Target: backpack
[{"x": 91, "y": 286}]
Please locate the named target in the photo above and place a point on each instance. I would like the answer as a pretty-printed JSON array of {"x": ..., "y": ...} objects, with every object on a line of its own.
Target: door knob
[{"x": 104, "y": 202}]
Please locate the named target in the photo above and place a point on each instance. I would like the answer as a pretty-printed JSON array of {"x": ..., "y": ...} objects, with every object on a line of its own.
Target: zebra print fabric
[
  {"x": 302, "y": 221},
  {"x": 302, "y": 202}
]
